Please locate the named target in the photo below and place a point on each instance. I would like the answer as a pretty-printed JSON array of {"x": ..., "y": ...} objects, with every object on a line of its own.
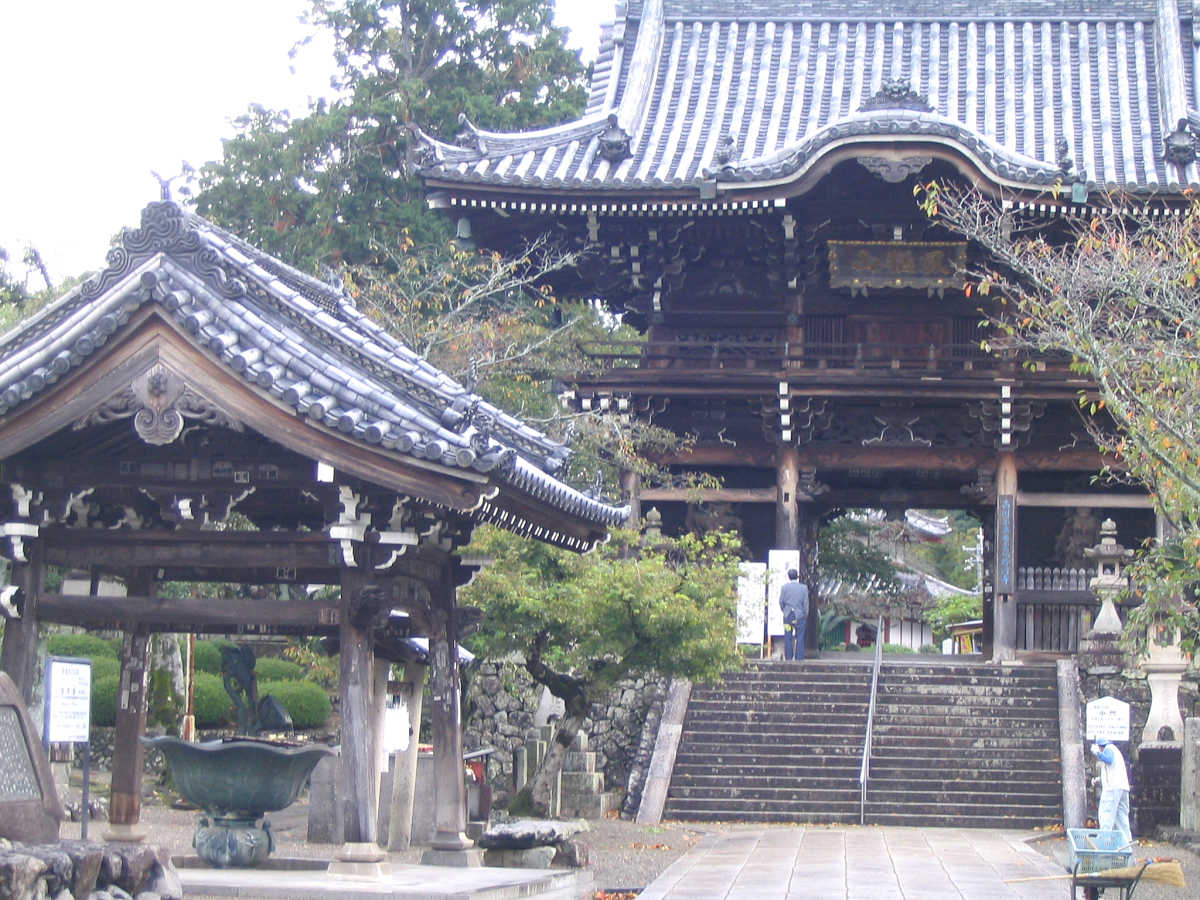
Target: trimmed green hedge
[
  {"x": 104, "y": 666},
  {"x": 306, "y": 703},
  {"x": 208, "y": 656},
  {"x": 212, "y": 705},
  {"x": 104, "y": 699},
  {"x": 272, "y": 668},
  {"x": 87, "y": 646}
]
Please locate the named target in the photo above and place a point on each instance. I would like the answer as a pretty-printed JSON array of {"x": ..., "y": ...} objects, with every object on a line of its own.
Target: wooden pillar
[
  {"x": 1004, "y": 604},
  {"x": 787, "y": 513},
  {"x": 404, "y": 775},
  {"x": 808, "y": 525},
  {"x": 359, "y": 798},
  {"x": 379, "y": 696},
  {"x": 631, "y": 483},
  {"x": 18, "y": 658},
  {"x": 125, "y": 799},
  {"x": 450, "y": 843}
]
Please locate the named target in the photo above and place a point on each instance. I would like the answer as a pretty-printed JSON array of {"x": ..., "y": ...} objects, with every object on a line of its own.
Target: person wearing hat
[
  {"x": 793, "y": 600},
  {"x": 1113, "y": 809}
]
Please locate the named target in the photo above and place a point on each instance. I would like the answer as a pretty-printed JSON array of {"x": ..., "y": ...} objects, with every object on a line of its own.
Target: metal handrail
[{"x": 864, "y": 770}]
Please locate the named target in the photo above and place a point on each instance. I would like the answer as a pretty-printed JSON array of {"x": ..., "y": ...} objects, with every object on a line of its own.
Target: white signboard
[
  {"x": 752, "y": 599},
  {"x": 778, "y": 563},
  {"x": 1107, "y": 718},
  {"x": 68, "y": 699}
]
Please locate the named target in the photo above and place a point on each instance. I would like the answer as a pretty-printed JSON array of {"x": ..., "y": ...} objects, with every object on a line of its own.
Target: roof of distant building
[{"x": 704, "y": 97}]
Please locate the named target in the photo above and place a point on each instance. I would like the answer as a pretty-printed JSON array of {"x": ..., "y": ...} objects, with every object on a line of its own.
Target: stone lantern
[{"x": 1099, "y": 652}]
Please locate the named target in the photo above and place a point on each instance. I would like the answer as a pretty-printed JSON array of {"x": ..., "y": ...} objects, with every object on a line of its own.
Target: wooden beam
[
  {"x": 708, "y": 495},
  {"x": 201, "y": 614},
  {"x": 1089, "y": 500},
  {"x": 927, "y": 458}
]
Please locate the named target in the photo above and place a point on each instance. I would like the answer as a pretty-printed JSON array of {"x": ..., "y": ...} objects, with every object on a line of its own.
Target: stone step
[
  {"x": 969, "y": 718},
  {"x": 850, "y": 816},
  {"x": 753, "y": 765},
  {"x": 765, "y": 739}
]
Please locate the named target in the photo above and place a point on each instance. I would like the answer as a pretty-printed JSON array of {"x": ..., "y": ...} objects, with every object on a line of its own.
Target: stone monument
[{"x": 29, "y": 808}]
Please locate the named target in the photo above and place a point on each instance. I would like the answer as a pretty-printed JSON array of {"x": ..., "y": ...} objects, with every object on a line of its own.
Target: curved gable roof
[
  {"x": 751, "y": 93},
  {"x": 302, "y": 345}
]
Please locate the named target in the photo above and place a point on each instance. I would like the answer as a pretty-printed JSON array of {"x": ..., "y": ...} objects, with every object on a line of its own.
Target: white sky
[{"x": 95, "y": 94}]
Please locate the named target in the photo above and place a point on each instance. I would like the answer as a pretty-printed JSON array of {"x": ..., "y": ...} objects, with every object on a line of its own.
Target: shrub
[
  {"x": 931, "y": 648},
  {"x": 212, "y": 705},
  {"x": 104, "y": 699},
  {"x": 853, "y": 646},
  {"x": 208, "y": 656},
  {"x": 306, "y": 703},
  {"x": 272, "y": 668},
  {"x": 86, "y": 646},
  {"x": 897, "y": 649},
  {"x": 103, "y": 666}
]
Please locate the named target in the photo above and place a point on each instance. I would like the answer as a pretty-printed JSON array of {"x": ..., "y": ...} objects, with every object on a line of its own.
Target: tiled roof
[
  {"x": 754, "y": 92},
  {"x": 297, "y": 338}
]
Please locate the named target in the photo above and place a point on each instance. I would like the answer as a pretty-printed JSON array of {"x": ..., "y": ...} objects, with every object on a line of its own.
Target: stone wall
[
  {"x": 1154, "y": 773},
  {"x": 501, "y": 705}
]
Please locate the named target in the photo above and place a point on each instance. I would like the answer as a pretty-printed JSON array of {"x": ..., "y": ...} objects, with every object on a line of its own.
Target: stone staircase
[{"x": 955, "y": 744}]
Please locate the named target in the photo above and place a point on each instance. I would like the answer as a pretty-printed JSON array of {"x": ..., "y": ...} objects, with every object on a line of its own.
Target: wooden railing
[{"x": 1054, "y": 608}]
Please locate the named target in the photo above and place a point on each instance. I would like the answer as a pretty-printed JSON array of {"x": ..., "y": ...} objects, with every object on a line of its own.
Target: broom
[{"x": 1160, "y": 870}]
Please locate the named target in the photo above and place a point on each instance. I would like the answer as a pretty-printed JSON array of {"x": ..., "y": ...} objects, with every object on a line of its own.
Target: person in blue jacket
[
  {"x": 793, "y": 600},
  {"x": 1113, "y": 809}
]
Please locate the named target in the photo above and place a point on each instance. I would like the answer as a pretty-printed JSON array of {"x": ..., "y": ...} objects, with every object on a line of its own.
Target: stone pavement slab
[
  {"x": 868, "y": 863},
  {"x": 407, "y": 882}
]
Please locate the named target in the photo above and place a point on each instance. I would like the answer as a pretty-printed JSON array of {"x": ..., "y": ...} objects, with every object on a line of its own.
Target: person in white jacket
[{"x": 1113, "y": 810}]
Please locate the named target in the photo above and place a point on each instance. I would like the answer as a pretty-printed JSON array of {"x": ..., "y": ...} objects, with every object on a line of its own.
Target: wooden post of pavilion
[
  {"x": 450, "y": 844},
  {"x": 125, "y": 799},
  {"x": 404, "y": 776},
  {"x": 360, "y": 854},
  {"x": 19, "y": 655}
]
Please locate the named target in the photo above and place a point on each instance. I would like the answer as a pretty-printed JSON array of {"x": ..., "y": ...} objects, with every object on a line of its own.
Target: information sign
[
  {"x": 68, "y": 700},
  {"x": 1107, "y": 718}
]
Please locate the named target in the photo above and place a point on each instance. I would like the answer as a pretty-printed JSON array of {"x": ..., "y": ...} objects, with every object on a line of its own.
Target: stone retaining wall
[
  {"x": 1154, "y": 773},
  {"x": 83, "y": 870},
  {"x": 501, "y": 703}
]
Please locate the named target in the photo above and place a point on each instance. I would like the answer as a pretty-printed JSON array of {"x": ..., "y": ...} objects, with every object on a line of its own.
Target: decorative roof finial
[{"x": 614, "y": 142}]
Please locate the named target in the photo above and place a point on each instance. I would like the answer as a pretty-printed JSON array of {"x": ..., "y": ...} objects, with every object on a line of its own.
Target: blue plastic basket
[{"x": 1093, "y": 850}]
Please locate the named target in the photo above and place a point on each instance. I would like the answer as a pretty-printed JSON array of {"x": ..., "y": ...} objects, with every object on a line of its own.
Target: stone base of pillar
[
  {"x": 120, "y": 833},
  {"x": 468, "y": 858},
  {"x": 366, "y": 861}
]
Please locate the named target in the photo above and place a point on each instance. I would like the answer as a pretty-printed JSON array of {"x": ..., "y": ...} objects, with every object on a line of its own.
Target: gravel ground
[{"x": 622, "y": 854}]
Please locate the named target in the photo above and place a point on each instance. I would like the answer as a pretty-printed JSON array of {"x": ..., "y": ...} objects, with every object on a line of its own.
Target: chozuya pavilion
[{"x": 196, "y": 377}]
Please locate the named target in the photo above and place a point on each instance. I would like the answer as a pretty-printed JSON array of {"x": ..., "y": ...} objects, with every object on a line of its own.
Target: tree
[
  {"x": 584, "y": 622},
  {"x": 338, "y": 183},
  {"x": 1117, "y": 294}
]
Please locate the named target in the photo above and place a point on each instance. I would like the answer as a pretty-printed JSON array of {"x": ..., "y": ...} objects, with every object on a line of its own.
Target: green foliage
[
  {"x": 1116, "y": 296},
  {"x": 104, "y": 698},
  {"x": 831, "y": 628},
  {"x": 271, "y": 668},
  {"x": 212, "y": 706},
  {"x": 338, "y": 183},
  {"x": 103, "y": 666},
  {"x": 621, "y": 609},
  {"x": 86, "y": 646},
  {"x": 208, "y": 656},
  {"x": 317, "y": 665},
  {"x": 951, "y": 609},
  {"x": 850, "y": 554},
  {"x": 896, "y": 649},
  {"x": 307, "y": 703}
]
